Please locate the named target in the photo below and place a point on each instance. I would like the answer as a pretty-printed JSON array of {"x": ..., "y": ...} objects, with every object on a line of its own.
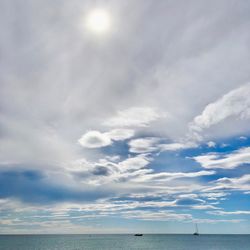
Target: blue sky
[{"x": 124, "y": 116}]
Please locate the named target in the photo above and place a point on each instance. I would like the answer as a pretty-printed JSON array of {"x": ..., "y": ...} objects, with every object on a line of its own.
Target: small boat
[
  {"x": 196, "y": 230},
  {"x": 138, "y": 234}
]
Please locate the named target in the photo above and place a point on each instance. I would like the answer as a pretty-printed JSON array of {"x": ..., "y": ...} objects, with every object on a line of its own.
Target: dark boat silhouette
[
  {"x": 196, "y": 230},
  {"x": 138, "y": 234}
]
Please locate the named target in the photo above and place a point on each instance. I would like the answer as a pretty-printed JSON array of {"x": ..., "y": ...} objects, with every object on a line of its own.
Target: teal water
[{"x": 112, "y": 242}]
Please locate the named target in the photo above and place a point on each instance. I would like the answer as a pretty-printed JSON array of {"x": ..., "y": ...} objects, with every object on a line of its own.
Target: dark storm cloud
[
  {"x": 33, "y": 187},
  {"x": 188, "y": 202},
  {"x": 100, "y": 170}
]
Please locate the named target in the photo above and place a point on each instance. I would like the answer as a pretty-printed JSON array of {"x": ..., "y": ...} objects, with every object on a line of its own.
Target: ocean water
[{"x": 126, "y": 242}]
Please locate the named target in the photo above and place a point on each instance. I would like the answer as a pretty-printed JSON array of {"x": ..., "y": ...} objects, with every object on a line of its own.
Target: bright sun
[{"x": 98, "y": 21}]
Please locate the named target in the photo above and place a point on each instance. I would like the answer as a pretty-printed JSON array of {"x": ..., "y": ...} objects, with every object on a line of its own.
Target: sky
[{"x": 124, "y": 116}]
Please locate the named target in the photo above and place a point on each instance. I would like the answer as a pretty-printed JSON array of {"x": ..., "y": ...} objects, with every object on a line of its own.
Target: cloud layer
[{"x": 148, "y": 123}]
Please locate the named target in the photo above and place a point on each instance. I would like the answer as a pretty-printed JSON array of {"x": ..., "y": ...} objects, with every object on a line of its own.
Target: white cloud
[
  {"x": 211, "y": 144},
  {"x": 109, "y": 170},
  {"x": 134, "y": 163},
  {"x": 152, "y": 144},
  {"x": 113, "y": 158},
  {"x": 203, "y": 207},
  {"x": 227, "y": 161},
  {"x": 163, "y": 176},
  {"x": 243, "y": 138},
  {"x": 157, "y": 216},
  {"x": 230, "y": 212},
  {"x": 234, "y": 103},
  {"x": 95, "y": 139},
  {"x": 120, "y": 134},
  {"x": 79, "y": 165},
  {"x": 144, "y": 145},
  {"x": 133, "y": 117},
  {"x": 214, "y": 221},
  {"x": 177, "y": 146},
  {"x": 225, "y": 183},
  {"x": 189, "y": 196},
  {"x": 213, "y": 196}
]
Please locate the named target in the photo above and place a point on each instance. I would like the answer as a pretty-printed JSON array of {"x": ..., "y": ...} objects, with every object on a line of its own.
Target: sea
[{"x": 126, "y": 242}]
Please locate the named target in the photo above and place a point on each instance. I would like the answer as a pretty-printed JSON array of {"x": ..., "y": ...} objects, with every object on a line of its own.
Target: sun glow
[{"x": 98, "y": 21}]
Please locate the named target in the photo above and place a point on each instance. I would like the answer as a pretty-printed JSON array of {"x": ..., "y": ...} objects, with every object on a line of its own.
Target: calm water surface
[{"x": 111, "y": 242}]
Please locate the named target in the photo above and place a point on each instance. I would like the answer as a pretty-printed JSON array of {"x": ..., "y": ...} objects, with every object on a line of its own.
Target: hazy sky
[{"x": 137, "y": 121}]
